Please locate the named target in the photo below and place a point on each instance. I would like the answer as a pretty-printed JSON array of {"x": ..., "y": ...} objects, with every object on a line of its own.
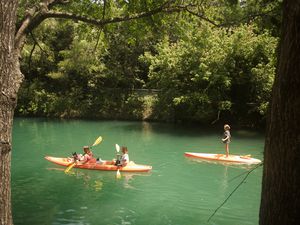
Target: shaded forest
[{"x": 212, "y": 65}]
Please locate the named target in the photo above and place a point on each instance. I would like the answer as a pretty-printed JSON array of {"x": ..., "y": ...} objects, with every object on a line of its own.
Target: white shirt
[{"x": 125, "y": 158}]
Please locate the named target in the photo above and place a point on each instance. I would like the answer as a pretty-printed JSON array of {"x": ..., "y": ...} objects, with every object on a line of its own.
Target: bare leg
[{"x": 227, "y": 149}]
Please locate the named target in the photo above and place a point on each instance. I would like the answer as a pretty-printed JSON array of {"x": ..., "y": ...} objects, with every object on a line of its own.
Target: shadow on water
[{"x": 95, "y": 180}]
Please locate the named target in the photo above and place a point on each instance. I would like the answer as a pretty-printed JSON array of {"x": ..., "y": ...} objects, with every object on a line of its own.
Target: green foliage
[
  {"x": 201, "y": 70},
  {"x": 254, "y": 69},
  {"x": 213, "y": 70}
]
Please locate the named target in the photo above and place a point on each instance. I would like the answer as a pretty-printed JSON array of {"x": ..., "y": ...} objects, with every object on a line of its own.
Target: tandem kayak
[
  {"x": 107, "y": 165},
  {"x": 246, "y": 159}
]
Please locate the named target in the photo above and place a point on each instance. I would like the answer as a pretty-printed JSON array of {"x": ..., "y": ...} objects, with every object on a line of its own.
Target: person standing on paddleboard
[{"x": 226, "y": 139}]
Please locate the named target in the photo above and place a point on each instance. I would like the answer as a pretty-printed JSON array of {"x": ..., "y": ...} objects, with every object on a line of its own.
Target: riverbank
[{"x": 130, "y": 105}]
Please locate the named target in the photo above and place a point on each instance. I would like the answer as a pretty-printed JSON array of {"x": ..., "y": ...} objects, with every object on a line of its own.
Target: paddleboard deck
[
  {"x": 246, "y": 159},
  {"x": 107, "y": 165}
]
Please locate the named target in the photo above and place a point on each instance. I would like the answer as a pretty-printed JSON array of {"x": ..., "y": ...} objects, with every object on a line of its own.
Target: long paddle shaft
[
  {"x": 70, "y": 167},
  {"x": 97, "y": 141},
  {"x": 118, "y": 175}
]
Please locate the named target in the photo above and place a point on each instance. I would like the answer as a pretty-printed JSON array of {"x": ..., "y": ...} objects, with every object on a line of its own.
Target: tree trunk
[
  {"x": 280, "y": 202},
  {"x": 10, "y": 80}
]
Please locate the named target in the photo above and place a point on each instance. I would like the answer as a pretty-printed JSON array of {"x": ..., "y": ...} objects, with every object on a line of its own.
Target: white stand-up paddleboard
[{"x": 244, "y": 159}]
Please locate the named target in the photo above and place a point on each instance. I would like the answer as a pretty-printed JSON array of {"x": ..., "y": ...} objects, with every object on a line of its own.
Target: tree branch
[
  {"x": 25, "y": 23},
  {"x": 42, "y": 12},
  {"x": 33, "y": 48},
  {"x": 31, "y": 13},
  {"x": 36, "y": 42},
  {"x": 100, "y": 29},
  {"x": 98, "y": 22},
  {"x": 232, "y": 23},
  {"x": 30, "y": 56},
  {"x": 201, "y": 16}
]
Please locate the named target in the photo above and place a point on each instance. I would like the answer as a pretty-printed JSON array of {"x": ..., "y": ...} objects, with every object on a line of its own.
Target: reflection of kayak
[
  {"x": 246, "y": 159},
  {"x": 107, "y": 165}
]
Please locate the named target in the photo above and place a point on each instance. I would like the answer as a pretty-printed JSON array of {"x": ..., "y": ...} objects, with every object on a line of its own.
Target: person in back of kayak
[
  {"x": 227, "y": 138},
  {"x": 125, "y": 156}
]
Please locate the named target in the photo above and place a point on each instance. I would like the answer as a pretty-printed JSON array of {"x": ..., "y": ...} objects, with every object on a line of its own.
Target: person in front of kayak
[
  {"x": 87, "y": 156},
  {"x": 125, "y": 157},
  {"x": 226, "y": 139}
]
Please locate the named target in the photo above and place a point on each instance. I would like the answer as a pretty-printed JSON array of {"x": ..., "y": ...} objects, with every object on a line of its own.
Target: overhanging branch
[
  {"x": 31, "y": 13},
  {"x": 201, "y": 16},
  {"x": 43, "y": 11},
  {"x": 99, "y": 22}
]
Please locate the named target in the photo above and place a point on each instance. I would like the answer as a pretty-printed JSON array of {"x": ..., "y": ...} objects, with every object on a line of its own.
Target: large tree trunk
[
  {"x": 280, "y": 202},
  {"x": 10, "y": 79}
]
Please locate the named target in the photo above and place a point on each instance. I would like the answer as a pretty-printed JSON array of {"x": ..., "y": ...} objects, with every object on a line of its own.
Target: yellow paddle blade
[
  {"x": 118, "y": 175},
  {"x": 70, "y": 167},
  {"x": 98, "y": 141}
]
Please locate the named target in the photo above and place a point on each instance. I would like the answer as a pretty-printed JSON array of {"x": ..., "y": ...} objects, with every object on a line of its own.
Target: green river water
[{"x": 178, "y": 191}]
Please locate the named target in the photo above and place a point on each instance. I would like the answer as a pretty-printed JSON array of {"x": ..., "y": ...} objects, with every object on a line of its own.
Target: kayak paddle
[
  {"x": 117, "y": 148},
  {"x": 97, "y": 141},
  {"x": 118, "y": 175},
  {"x": 70, "y": 167}
]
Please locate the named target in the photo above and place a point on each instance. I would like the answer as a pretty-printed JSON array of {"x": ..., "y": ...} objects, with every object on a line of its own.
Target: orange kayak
[
  {"x": 107, "y": 165},
  {"x": 244, "y": 159}
]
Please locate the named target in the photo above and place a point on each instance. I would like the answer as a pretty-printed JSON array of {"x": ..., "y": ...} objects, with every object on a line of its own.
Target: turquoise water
[{"x": 178, "y": 191}]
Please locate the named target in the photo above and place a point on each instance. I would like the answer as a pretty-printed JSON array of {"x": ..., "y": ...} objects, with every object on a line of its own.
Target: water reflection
[
  {"x": 226, "y": 164},
  {"x": 95, "y": 179},
  {"x": 225, "y": 180},
  {"x": 147, "y": 128}
]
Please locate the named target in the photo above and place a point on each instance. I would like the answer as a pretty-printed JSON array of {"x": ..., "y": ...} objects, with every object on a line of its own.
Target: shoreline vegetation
[
  {"x": 181, "y": 70},
  {"x": 117, "y": 104}
]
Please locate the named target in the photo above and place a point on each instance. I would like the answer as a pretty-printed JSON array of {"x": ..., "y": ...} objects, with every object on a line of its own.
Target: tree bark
[
  {"x": 280, "y": 201},
  {"x": 10, "y": 80}
]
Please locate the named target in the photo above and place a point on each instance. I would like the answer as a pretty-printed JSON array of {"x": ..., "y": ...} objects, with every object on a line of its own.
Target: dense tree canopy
[{"x": 210, "y": 63}]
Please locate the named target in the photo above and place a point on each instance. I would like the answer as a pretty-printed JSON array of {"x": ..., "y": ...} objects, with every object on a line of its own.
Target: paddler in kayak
[
  {"x": 122, "y": 160},
  {"x": 125, "y": 156},
  {"x": 227, "y": 138},
  {"x": 87, "y": 156}
]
